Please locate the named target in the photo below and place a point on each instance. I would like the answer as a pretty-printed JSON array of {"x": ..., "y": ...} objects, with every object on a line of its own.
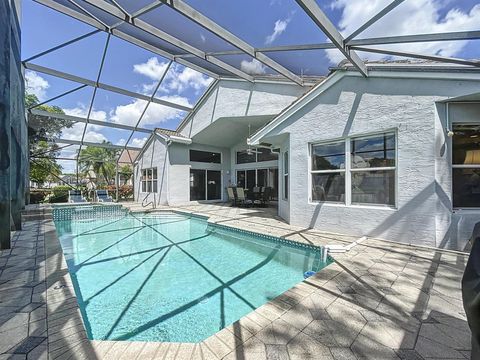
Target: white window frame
[
  {"x": 144, "y": 181},
  {"x": 336, "y": 171},
  {"x": 461, "y": 166},
  {"x": 206, "y": 185},
  {"x": 256, "y": 157},
  {"x": 348, "y": 170},
  {"x": 202, "y": 162},
  {"x": 286, "y": 171}
]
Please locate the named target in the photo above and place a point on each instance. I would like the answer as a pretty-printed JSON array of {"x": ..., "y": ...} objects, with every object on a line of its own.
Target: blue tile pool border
[{"x": 269, "y": 238}]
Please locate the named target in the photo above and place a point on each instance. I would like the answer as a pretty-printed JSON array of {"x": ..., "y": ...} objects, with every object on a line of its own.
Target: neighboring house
[
  {"x": 394, "y": 156},
  {"x": 126, "y": 158}
]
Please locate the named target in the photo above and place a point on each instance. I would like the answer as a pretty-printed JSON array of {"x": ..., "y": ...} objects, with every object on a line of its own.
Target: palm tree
[{"x": 101, "y": 160}]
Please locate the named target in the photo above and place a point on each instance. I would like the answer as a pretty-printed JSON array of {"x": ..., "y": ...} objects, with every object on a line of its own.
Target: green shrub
[
  {"x": 37, "y": 196},
  {"x": 59, "y": 194}
]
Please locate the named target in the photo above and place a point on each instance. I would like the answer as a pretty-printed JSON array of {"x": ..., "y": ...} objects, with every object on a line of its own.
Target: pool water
[{"x": 171, "y": 277}]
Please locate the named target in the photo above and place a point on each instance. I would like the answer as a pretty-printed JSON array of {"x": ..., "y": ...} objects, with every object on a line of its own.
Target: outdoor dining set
[{"x": 258, "y": 196}]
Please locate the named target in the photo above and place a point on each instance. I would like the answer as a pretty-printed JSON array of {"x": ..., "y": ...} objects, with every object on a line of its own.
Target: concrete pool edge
[{"x": 66, "y": 329}]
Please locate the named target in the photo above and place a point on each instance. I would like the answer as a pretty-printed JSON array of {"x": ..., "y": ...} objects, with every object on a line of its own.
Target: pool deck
[{"x": 380, "y": 300}]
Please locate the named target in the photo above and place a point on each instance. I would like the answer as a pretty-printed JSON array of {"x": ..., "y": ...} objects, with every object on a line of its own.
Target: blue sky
[{"x": 262, "y": 23}]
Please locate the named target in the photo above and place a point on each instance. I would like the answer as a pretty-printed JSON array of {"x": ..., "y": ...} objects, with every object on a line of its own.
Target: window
[
  {"x": 256, "y": 155},
  {"x": 149, "y": 180},
  {"x": 328, "y": 172},
  {"x": 285, "y": 175},
  {"x": 373, "y": 170},
  {"x": 205, "y": 185},
  {"x": 264, "y": 154},
  {"x": 245, "y": 157},
  {"x": 360, "y": 170},
  {"x": 205, "y": 156},
  {"x": 267, "y": 178},
  {"x": 466, "y": 166}
]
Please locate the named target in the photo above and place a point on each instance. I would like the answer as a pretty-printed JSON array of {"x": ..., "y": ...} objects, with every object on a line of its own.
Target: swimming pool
[{"x": 173, "y": 277}]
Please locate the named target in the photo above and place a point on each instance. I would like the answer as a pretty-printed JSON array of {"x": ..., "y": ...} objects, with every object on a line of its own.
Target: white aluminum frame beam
[
  {"x": 177, "y": 58},
  {"x": 90, "y": 121},
  {"x": 58, "y": 96},
  {"x": 80, "y": 80},
  {"x": 99, "y": 73},
  {"x": 146, "y": 107},
  {"x": 400, "y": 39},
  {"x": 72, "y": 13},
  {"x": 403, "y": 39},
  {"x": 208, "y": 24},
  {"x": 120, "y": 34},
  {"x": 142, "y": 25},
  {"x": 419, "y": 56},
  {"x": 323, "y": 22},
  {"x": 63, "y": 45},
  {"x": 94, "y": 144},
  {"x": 374, "y": 19}
]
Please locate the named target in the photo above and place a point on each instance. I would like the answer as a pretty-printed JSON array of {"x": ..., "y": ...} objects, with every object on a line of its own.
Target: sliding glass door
[
  {"x": 248, "y": 179},
  {"x": 214, "y": 185},
  {"x": 205, "y": 185},
  {"x": 197, "y": 185}
]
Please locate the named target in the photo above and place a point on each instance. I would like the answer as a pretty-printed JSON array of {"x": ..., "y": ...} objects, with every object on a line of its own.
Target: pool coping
[{"x": 66, "y": 329}]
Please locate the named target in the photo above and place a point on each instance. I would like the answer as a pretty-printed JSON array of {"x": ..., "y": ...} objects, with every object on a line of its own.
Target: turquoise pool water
[{"x": 171, "y": 277}]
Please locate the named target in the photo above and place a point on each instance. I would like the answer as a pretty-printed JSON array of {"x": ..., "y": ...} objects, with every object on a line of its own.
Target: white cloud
[
  {"x": 35, "y": 84},
  {"x": 278, "y": 29},
  {"x": 130, "y": 113},
  {"x": 76, "y": 131},
  {"x": 151, "y": 69},
  {"x": 182, "y": 79},
  {"x": 68, "y": 166},
  {"x": 253, "y": 67},
  {"x": 178, "y": 79},
  {"x": 139, "y": 142},
  {"x": 82, "y": 111},
  {"x": 411, "y": 17}
]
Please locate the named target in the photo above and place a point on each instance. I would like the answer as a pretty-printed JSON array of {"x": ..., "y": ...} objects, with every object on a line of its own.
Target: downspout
[{"x": 167, "y": 163}]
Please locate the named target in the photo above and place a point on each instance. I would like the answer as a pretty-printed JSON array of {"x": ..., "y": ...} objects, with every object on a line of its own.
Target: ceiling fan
[{"x": 250, "y": 150}]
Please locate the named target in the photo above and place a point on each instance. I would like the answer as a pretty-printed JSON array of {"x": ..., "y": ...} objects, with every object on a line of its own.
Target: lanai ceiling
[{"x": 170, "y": 29}]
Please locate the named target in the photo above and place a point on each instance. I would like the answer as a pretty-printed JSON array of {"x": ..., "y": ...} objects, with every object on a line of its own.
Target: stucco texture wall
[
  {"x": 180, "y": 165},
  {"x": 358, "y": 106},
  {"x": 239, "y": 98},
  {"x": 154, "y": 155}
]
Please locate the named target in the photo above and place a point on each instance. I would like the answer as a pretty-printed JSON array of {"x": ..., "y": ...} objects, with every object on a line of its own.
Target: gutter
[{"x": 180, "y": 140}]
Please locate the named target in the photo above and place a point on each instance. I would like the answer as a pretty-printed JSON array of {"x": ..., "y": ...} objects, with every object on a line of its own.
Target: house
[
  {"x": 395, "y": 155},
  {"x": 125, "y": 159}
]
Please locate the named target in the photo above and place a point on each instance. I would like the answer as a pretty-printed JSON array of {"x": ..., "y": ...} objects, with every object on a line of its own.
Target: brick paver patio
[{"x": 380, "y": 300}]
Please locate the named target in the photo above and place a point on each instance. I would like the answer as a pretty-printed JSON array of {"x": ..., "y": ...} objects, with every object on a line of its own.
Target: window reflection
[{"x": 466, "y": 166}]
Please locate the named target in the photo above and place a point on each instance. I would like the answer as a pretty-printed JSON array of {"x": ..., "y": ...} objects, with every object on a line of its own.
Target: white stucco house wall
[{"x": 360, "y": 156}]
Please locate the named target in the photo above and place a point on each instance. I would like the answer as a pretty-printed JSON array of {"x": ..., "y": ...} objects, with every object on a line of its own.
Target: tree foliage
[
  {"x": 101, "y": 160},
  {"x": 42, "y": 127},
  {"x": 43, "y": 166}
]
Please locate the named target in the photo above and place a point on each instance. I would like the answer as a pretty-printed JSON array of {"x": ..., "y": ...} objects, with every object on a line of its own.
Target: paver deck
[{"x": 380, "y": 300}]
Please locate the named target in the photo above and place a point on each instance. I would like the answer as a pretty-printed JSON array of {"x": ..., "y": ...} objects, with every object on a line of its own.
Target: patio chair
[
  {"x": 266, "y": 196},
  {"x": 242, "y": 198},
  {"x": 257, "y": 196},
  {"x": 75, "y": 196},
  {"x": 231, "y": 196},
  {"x": 102, "y": 196}
]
